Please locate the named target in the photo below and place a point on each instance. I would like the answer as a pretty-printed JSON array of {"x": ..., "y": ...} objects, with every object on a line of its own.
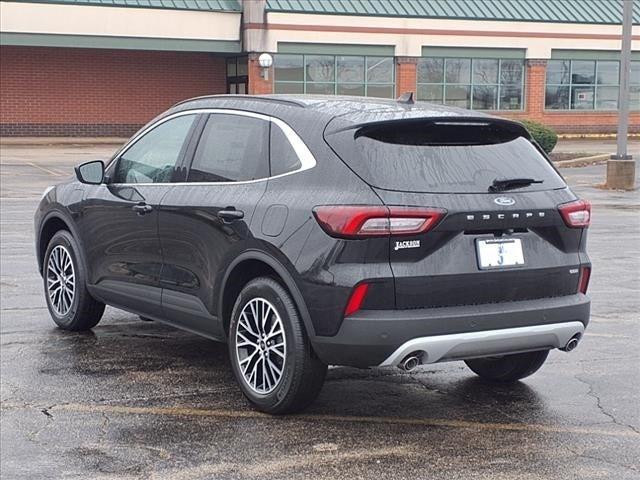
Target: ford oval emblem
[{"x": 504, "y": 201}]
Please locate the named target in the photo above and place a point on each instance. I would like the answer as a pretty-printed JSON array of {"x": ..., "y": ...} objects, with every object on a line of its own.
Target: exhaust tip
[
  {"x": 410, "y": 362},
  {"x": 571, "y": 345}
]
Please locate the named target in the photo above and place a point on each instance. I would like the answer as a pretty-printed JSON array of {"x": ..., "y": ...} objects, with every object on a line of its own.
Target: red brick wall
[
  {"x": 94, "y": 92},
  {"x": 87, "y": 92},
  {"x": 257, "y": 84},
  {"x": 406, "y": 75}
]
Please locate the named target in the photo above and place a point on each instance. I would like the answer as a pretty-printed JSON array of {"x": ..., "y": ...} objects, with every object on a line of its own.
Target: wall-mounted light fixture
[{"x": 265, "y": 61}]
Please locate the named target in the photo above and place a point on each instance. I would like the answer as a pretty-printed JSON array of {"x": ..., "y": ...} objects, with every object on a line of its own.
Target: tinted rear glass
[
  {"x": 446, "y": 158},
  {"x": 232, "y": 148}
]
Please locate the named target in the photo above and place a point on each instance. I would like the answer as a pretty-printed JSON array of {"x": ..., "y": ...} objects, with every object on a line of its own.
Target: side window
[
  {"x": 232, "y": 148},
  {"x": 153, "y": 157},
  {"x": 284, "y": 158}
]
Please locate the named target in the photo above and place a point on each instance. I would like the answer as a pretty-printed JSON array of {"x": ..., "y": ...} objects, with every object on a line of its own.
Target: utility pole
[{"x": 621, "y": 168}]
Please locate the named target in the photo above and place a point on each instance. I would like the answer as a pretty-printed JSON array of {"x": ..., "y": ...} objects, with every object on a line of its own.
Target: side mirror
[{"x": 91, "y": 173}]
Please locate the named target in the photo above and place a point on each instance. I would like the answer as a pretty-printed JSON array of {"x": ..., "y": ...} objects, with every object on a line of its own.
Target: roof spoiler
[
  {"x": 509, "y": 125},
  {"x": 406, "y": 98}
]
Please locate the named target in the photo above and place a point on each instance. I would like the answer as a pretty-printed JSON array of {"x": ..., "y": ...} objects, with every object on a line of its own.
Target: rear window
[{"x": 445, "y": 157}]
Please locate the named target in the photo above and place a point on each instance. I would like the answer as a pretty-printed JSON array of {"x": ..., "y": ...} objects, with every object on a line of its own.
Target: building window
[
  {"x": 478, "y": 83},
  {"x": 335, "y": 75},
  {"x": 588, "y": 85},
  {"x": 634, "y": 81}
]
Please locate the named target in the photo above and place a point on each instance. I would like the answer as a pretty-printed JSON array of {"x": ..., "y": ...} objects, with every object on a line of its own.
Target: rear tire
[
  {"x": 270, "y": 353},
  {"x": 508, "y": 368},
  {"x": 64, "y": 274}
]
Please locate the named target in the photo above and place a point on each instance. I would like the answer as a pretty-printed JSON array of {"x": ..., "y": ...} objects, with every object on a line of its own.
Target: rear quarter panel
[{"x": 326, "y": 269}]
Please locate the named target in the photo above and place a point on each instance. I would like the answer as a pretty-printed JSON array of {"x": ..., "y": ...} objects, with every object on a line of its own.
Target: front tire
[
  {"x": 508, "y": 368},
  {"x": 270, "y": 353},
  {"x": 64, "y": 274}
]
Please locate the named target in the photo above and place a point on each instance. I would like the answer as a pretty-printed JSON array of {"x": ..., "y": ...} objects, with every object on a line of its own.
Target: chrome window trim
[{"x": 307, "y": 160}]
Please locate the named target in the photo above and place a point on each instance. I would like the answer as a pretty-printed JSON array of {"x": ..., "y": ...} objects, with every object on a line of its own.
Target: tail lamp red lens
[
  {"x": 585, "y": 276},
  {"x": 356, "y": 299},
  {"x": 358, "y": 221},
  {"x": 576, "y": 214}
]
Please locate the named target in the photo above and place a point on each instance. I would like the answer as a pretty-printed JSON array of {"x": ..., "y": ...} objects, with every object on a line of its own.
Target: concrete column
[
  {"x": 254, "y": 12},
  {"x": 406, "y": 75},
  {"x": 254, "y": 42},
  {"x": 621, "y": 168},
  {"x": 258, "y": 85},
  {"x": 621, "y": 174}
]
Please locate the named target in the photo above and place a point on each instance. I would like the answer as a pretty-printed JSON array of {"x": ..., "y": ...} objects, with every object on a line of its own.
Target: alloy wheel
[
  {"x": 261, "y": 346},
  {"x": 61, "y": 283}
]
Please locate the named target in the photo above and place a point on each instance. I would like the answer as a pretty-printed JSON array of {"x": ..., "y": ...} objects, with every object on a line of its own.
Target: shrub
[{"x": 545, "y": 136}]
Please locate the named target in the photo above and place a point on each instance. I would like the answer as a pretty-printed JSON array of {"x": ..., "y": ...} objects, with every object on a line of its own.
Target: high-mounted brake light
[
  {"x": 576, "y": 214},
  {"x": 585, "y": 275},
  {"x": 356, "y": 221}
]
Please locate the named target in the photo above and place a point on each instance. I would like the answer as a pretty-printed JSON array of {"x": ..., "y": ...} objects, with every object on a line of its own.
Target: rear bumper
[
  {"x": 482, "y": 344},
  {"x": 385, "y": 337}
]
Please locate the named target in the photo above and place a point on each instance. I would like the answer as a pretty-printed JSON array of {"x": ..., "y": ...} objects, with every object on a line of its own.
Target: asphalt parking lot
[{"x": 135, "y": 399}]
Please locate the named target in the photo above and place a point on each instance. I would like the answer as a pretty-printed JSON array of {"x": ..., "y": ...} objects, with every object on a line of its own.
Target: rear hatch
[{"x": 495, "y": 244}]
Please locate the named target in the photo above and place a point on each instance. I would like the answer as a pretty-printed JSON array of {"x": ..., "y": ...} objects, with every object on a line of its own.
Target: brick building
[{"x": 105, "y": 67}]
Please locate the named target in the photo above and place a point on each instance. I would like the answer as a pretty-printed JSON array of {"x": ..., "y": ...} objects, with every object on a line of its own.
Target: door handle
[
  {"x": 231, "y": 214},
  {"x": 142, "y": 208}
]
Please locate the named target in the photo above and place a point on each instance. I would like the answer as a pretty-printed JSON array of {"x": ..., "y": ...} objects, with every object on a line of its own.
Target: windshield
[{"x": 448, "y": 159}]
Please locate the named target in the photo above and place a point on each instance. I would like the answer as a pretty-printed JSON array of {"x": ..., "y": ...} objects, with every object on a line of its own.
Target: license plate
[{"x": 500, "y": 253}]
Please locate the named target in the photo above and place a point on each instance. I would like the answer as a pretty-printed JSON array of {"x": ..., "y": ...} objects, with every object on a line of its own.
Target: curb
[
  {"x": 61, "y": 141},
  {"x": 595, "y": 136},
  {"x": 582, "y": 161}
]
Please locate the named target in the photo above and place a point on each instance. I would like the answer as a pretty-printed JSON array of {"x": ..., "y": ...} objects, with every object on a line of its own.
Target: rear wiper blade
[{"x": 502, "y": 184}]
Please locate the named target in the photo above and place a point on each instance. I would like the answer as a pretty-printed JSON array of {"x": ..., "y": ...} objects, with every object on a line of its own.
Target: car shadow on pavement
[
  {"x": 155, "y": 364},
  {"x": 427, "y": 393}
]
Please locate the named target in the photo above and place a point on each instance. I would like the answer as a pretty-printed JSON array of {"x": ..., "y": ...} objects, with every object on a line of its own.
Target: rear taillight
[
  {"x": 583, "y": 283},
  {"x": 356, "y": 221},
  {"x": 576, "y": 214},
  {"x": 356, "y": 299}
]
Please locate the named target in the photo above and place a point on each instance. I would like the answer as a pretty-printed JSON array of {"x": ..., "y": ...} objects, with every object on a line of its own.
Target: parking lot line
[
  {"x": 46, "y": 170},
  {"x": 426, "y": 422}
]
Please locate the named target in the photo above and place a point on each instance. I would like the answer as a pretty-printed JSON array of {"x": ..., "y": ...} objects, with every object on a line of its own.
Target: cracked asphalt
[{"x": 138, "y": 400}]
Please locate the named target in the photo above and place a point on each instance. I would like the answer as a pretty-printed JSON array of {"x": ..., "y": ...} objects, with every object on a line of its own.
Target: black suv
[{"x": 308, "y": 231}]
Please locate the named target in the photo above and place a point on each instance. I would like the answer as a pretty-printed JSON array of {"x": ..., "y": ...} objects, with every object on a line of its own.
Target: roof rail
[{"x": 261, "y": 98}]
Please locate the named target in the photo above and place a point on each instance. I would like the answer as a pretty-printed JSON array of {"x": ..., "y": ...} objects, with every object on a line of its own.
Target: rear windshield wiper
[{"x": 500, "y": 185}]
